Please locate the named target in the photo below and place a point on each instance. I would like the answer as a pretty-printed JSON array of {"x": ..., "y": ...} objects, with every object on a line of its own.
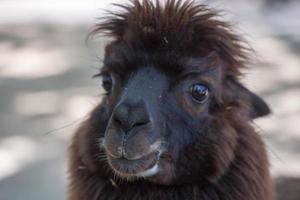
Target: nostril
[
  {"x": 128, "y": 124},
  {"x": 117, "y": 121},
  {"x": 141, "y": 123},
  {"x": 128, "y": 116}
]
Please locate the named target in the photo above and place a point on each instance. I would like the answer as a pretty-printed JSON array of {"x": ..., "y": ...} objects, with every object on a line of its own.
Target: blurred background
[{"x": 46, "y": 88}]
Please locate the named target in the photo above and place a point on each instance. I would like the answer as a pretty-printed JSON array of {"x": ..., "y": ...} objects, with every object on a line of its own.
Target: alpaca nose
[{"x": 131, "y": 114}]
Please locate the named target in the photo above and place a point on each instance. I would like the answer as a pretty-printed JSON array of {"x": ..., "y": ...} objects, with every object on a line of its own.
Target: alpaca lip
[{"x": 143, "y": 167}]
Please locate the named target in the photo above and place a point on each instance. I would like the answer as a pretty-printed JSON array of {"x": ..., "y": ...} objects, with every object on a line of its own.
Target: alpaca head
[{"x": 171, "y": 80}]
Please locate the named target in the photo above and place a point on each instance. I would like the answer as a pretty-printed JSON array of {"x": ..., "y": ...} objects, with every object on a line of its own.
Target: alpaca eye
[
  {"x": 199, "y": 92},
  {"x": 107, "y": 82}
]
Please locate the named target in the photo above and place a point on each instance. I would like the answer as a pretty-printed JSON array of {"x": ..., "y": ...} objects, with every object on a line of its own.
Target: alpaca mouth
[
  {"x": 139, "y": 166},
  {"x": 143, "y": 167}
]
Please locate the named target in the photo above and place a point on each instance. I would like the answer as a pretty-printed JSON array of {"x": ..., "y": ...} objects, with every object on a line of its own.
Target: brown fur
[{"x": 228, "y": 161}]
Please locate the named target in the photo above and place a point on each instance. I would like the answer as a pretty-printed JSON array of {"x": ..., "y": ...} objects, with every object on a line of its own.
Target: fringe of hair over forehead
[{"x": 178, "y": 25}]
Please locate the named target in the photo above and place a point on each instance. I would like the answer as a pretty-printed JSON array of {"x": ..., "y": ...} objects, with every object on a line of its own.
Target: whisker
[{"x": 79, "y": 120}]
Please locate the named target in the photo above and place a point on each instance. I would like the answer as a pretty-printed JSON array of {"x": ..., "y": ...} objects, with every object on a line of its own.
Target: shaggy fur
[{"x": 213, "y": 151}]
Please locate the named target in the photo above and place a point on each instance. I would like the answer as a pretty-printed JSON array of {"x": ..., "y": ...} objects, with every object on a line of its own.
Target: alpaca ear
[{"x": 257, "y": 106}]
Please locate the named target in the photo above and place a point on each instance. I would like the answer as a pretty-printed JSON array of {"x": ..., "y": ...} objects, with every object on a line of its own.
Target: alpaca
[{"x": 175, "y": 122}]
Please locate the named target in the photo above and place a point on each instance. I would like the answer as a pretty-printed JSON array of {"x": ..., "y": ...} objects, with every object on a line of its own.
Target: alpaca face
[
  {"x": 158, "y": 108},
  {"x": 171, "y": 94}
]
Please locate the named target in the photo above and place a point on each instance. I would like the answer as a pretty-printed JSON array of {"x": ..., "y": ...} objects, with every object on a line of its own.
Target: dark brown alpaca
[{"x": 175, "y": 122}]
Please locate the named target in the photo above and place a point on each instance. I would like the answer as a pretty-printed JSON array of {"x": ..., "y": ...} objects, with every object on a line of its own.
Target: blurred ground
[{"x": 46, "y": 87}]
